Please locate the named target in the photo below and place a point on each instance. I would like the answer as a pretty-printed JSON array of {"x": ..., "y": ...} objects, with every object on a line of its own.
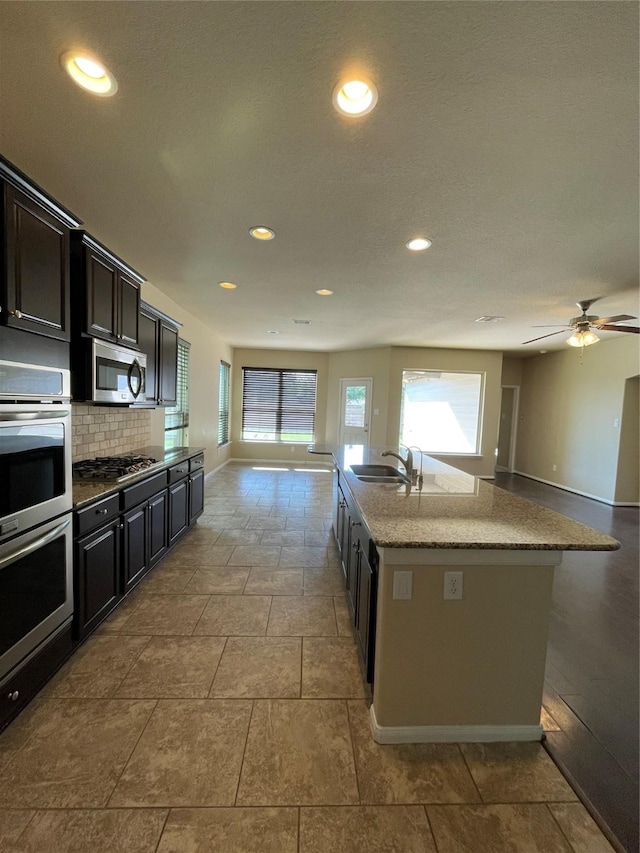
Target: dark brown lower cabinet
[
  {"x": 178, "y": 509},
  {"x": 144, "y": 540},
  {"x": 96, "y": 577},
  {"x": 196, "y": 495}
]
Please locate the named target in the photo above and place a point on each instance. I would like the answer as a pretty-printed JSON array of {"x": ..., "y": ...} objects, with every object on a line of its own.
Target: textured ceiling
[{"x": 507, "y": 132}]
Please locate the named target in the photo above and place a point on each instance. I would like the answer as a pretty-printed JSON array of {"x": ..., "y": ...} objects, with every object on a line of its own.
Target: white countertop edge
[{"x": 468, "y": 556}]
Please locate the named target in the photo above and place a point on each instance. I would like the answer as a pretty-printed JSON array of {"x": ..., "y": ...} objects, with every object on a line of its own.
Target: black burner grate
[{"x": 110, "y": 467}]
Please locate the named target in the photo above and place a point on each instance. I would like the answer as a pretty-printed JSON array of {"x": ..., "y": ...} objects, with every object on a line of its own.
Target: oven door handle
[
  {"x": 33, "y": 546},
  {"x": 34, "y": 416}
]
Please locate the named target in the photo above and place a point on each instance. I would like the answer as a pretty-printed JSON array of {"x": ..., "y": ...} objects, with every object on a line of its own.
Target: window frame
[
  {"x": 280, "y": 406},
  {"x": 178, "y": 416},
  {"x": 477, "y": 452},
  {"x": 224, "y": 403}
]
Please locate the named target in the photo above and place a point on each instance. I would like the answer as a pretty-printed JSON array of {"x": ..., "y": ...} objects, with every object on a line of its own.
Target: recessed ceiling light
[
  {"x": 228, "y": 285},
  {"x": 355, "y": 97},
  {"x": 324, "y": 292},
  {"x": 261, "y": 232},
  {"x": 419, "y": 244},
  {"x": 87, "y": 72},
  {"x": 273, "y": 332}
]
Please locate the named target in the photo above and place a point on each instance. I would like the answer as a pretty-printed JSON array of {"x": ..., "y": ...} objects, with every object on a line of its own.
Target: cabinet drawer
[
  {"x": 196, "y": 462},
  {"x": 96, "y": 514},
  {"x": 143, "y": 490},
  {"x": 177, "y": 472}
]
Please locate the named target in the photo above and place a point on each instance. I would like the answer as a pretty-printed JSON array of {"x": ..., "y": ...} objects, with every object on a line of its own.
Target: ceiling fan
[{"x": 582, "y": 335}]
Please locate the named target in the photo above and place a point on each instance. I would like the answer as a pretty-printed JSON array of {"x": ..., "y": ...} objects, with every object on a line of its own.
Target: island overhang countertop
[{"x": 456, "y": 510}]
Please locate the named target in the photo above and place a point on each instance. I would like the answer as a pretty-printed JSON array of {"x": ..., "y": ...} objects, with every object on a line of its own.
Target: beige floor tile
[
  {"x": 93, "y": 831},
  {"x": 166, "y": 615},
  {"x": 515, "y": 773},
  {"x": 174, "y": 668},
  {"x": 235, "y": 615},
  {"x": 97, "y": 668},
  {"x": 199, "y": 555},
  {"x": 12, "y": 823},
  {"x": 317, "y": 538},
  {"x": 189, "y": 755},
  {"x": 255, "y": 555},
  {"x": 265, "y": 522},
  {"x": 344, "y": 619},
  {"x": 240, "y": 537},
  {"x": 325, "y": 581},
  {"x": 259, "y": 667},
  {"x": 298, "y": 753},
  {"x": 203, "y": 534},
  {"x": 120, "y": 616},
  {"x": 62, "y": 753},
  {"x": 496, "y": 829},
  {"x": 302, "y": 616},
  {"x": 579, "y": 828},
  {"x": 166, "y": 579},
  {"x": 266, "y": 581},
  {"x": 279, "y": 537},
  {"x": 231, "y": 831},
  {"x": 365, "y": 829},
  {"x": 407, "y": 773},
  {"x": 331, "y": 669},
  {"x": 307, "y": 522},
  {"x": 218, "y": 580},
  {"x": 303, "y": 556}
]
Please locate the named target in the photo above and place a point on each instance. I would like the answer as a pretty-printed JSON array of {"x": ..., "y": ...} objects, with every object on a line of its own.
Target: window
[
  {"x": 176, "y": 418},
  {"x": 441, "y": 411},
  {"x": 278, "y": 405},
  {"x": 223, "y": 403}
]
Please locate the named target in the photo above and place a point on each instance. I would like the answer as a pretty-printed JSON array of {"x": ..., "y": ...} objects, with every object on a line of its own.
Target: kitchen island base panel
[
  {"x": 474, "y": 665},
  {"x": 452, "y": 734}
]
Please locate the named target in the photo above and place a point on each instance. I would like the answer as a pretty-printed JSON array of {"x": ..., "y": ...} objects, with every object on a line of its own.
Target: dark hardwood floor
[{"x": 592, "y": 661}]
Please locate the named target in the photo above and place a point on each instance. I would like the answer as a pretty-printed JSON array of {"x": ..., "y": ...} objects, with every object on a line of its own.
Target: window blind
[
  {"x": 176, "y": 418},
  {"x": 223, "y": 403},
  {"x": 278, "y": 405}
]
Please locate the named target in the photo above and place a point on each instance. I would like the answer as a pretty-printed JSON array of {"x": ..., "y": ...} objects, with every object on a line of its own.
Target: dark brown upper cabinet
[
  {"x": 159, "y": 340},
  {"x": 34, "y": 288},
  {"x": 106, "y": 292}
]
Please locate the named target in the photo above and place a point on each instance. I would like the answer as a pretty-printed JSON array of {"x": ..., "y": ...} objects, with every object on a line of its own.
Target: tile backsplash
[{"x": 108, "y": 430}]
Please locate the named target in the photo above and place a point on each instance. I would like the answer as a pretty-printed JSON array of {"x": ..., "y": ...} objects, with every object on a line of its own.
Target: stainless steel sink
[{"x": 379, "y": 474}]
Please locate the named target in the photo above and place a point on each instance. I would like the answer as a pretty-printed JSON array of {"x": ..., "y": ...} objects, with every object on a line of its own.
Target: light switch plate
[{"x": 403, "y": 585}]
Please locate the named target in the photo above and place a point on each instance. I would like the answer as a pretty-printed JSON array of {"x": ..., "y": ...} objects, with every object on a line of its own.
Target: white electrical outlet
[
  {"x": 453, "y": 586},
  {"x": 403, "y": 585}
]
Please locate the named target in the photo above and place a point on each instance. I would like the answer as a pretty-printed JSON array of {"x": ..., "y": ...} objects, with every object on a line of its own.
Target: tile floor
[{"x": 221, "y": 708}]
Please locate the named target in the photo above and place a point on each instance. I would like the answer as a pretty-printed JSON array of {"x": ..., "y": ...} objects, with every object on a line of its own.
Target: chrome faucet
[
  {"x": 417, "y": 478},
  {"x": 408, "y": 462}
]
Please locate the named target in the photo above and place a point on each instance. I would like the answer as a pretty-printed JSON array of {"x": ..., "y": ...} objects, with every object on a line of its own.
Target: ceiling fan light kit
[{"x": 583, "y": 338}]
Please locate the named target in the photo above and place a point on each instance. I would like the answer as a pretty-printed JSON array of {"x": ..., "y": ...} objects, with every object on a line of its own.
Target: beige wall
[
  {"x": 356, "y": 364},
  {"x": 569, "y": 403},
  {"x": 628, "y": 478},
  {"x": 207, "y": 350},
  {"x": 293, "y": 359},
  {"x": 407, "y": 358},
  {"x": 512, "y": 370}
]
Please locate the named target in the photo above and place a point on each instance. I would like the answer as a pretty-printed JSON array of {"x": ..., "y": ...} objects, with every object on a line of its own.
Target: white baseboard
[
  {"x": 574, "y": 491},
  {"x": 452, "y": 734},
  {"x": 290, "y": 463},
  {"x": 215, "y": 470}
]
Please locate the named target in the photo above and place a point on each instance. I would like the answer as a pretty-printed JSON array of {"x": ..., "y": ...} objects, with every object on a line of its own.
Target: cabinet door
[
  {"x": 96, "y": 577},
  {"x": 178, "y": 510},
  {"x": 148, "y": 343},
  {"x": 37, "y": 268},
  {"x": 157, "y": 519},
  {"x": 101, "y": 282},
  {"x": 366, "y": 614},
  {"x": 168, "y": 366},
  {"x": 134, "y": 546},
  {"x": 352, "y": 555},
  {"x": 128, "y": 310},
  {"x": 196, "y": 495}
]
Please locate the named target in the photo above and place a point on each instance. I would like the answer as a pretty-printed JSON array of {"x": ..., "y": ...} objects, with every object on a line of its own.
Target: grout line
[
  {"x": 162, "y": 830},
  {"x": 135, "y": 746},
  {"x": 433, "y": 835},
  {"x": 464, "y": 758},
  {"x": 134, "y": 662},
  {"x": 299, "y": 817},
  {"x": 224, "y": 647},
  {"x": 244, "y": 752},
  {"x": 353, "y": 752}
]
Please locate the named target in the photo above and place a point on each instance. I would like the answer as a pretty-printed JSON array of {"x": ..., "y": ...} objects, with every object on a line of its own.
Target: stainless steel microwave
[{"x": 109, "y": 374}]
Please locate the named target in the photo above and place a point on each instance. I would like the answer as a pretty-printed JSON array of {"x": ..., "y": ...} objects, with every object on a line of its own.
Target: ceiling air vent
[
  {"x": 302, "y": 322},
  {"x": 489, "y": 318}
]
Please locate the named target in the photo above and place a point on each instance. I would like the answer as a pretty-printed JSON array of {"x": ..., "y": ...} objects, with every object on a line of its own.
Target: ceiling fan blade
[
  {"x": 544, "y": 336},
  {"x": 607, "y": 327},
  {"x": 551, "y": 326},
  {"x": 618, "y": 318}
]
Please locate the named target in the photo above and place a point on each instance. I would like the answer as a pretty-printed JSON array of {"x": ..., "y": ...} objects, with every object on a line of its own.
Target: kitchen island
[{"x": 462, "y": 669}]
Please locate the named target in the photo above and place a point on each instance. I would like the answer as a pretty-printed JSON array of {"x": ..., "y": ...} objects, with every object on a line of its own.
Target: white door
[{"x": 355, "y": 410}]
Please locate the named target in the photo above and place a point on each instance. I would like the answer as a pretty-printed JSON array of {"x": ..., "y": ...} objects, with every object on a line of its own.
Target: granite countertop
[
  {"x": 86, "y": 491},
  {"x": 456, "y": 510}
]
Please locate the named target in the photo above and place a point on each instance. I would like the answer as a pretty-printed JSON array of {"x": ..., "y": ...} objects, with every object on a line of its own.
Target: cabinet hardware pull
[
  {"x": 102, "y": 511},
  {"x": 17, "y": 314},
  {"x": 14, "y": 695}
]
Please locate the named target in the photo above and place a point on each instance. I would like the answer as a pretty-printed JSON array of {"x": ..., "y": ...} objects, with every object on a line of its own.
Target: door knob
[{"x": 17, "y": 314}]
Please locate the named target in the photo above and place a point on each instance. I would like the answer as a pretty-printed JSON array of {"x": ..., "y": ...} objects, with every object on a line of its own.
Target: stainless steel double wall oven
[{"x": 36, "y": 571}]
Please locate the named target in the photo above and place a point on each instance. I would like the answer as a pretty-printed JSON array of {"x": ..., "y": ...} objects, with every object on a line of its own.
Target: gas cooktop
[{"x": 111, "y": 467}]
